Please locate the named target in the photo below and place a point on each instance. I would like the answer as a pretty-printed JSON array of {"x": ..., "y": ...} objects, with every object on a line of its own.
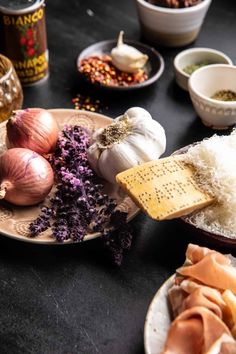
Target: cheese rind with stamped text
[{"x": 164, "y": 188}]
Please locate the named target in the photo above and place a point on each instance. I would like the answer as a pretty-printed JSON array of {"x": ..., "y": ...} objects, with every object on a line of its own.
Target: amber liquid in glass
[
  {"x": 6, "y": 110},
  {"x": 11, "y": 95}
]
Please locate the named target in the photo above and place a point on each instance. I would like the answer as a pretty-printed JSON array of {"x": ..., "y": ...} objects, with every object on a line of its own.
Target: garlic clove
[
  {"x": 135, "y": 113},
  {"x": 142, "y": 124},
  {"x": 123, "y": 157},
  {"x": 153, "y": 148},
  {"x": 94, "y": 154},
  {"x": 151, "y": 131},
  {"x": 96, "y": 134},
  {"x": 127, "y": 58}
]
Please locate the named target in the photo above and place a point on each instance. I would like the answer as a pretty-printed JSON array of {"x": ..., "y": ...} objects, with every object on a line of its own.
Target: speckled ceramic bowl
[{"x": 171, "y": 27}]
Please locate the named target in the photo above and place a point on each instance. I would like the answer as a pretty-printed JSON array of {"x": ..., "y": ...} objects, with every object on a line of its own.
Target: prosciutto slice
[
  {"x": 209, "y": 267},
  {"x": 227, "y": 348},
  {"x": 206, "y": 297},
  {"x": 224, "y": 345},
  {"x": 194, "y": 331},
  {"x": 176, "y": 296}
]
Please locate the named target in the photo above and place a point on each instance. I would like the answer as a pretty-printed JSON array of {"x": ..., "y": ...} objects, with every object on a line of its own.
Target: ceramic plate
[
  {"x": 14, "y": 221},
  {"x": 158, "y": 320},
  {"x": 154, "y": 66}
]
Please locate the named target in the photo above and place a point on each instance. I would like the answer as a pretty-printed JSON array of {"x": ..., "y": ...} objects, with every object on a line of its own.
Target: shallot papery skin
[
  {"x": 26, "y": 177},
  {"x": 32, "y": 128}
]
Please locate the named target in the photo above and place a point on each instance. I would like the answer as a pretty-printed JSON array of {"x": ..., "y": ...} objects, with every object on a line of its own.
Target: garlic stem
[{"x": 120, "y": 40}]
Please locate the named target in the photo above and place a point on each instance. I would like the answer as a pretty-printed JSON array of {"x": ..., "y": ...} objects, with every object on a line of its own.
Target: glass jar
[
  {"x": 24, "y": 38},
  {"x": 11, "y": 95}
]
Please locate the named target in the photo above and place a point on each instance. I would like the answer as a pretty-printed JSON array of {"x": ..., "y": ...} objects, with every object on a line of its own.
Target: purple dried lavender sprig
[
  {"x": 42, "y": 223},
  {"x": 60, "y": 230},
  {"x": 118, "y": 239},
  {"x": 71, "y": 207},
  {"x": 79, "y": 200},
  {"x": 72, "y": 143},
  {"x": 101, "y": 218},
  {"x": 79, "y": 141},
  {"x": 74, "y": 172},
  {"x": 72, "y": 139},
  {"x": 69, "y": 215}
]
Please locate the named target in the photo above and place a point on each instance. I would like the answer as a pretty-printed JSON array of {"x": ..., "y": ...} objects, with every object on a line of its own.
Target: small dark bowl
[
  {"x": 209, "y": 239},
  {"x": 203, "y": 235},
  {"x": 154, "y": 66}
]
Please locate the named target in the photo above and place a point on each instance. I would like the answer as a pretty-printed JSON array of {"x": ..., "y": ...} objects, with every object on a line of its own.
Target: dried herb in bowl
[
  {"x": 189, "y": 69},
  {"x": 224, "y": 95}
]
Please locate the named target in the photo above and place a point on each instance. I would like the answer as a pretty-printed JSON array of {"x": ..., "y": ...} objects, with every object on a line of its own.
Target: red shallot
[
  {"x": 26, "y": 177},
  {"x": 32, "y": 128}
]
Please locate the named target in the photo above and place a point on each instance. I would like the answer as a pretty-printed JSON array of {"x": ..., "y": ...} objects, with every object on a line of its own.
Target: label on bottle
[{"x": 25, "y": 41}]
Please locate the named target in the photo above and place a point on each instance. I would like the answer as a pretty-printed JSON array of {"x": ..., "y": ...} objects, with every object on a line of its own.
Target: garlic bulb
[
  {"x": 127, "y": 58},
  {"x": 132, "y": 139}
]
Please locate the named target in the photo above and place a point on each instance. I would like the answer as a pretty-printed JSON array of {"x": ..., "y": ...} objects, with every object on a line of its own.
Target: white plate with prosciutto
[{"x": 194, "y": 311}]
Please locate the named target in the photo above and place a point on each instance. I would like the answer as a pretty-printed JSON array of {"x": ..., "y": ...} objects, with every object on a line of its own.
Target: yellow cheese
[{"x": 164, "y": 188}]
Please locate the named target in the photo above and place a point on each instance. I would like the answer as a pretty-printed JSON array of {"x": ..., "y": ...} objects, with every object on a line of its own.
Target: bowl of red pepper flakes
[{"x": 94, "y": 65}]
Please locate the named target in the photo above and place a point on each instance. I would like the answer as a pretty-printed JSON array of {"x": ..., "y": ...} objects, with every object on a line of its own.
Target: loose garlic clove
[{"x": 127, "y": 58}]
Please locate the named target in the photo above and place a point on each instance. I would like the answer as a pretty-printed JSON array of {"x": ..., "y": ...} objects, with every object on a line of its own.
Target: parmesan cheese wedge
[{"x": 164, "y": 188}]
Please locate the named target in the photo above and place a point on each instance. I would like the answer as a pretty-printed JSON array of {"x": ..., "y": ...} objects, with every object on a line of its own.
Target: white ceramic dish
[
  {"x": 195, "y": 56},
  {"x": 158, "y": 320},
  {"x": 203, "y": 84},
  {"x": 171, "y": 27},
  {"x": 14, "y": 221}
]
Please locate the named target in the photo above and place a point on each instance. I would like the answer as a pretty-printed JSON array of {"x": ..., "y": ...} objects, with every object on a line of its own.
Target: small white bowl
[
  {"x": 171, "y": 27},
  {"x": 203, "y": 84},
  {"x": 195, "y": 56}
]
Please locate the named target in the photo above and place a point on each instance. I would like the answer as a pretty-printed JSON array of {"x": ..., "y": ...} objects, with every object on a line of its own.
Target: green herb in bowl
[{"x": 189, "y": 69}]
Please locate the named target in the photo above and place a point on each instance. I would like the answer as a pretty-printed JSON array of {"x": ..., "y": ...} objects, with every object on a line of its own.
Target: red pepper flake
[
  {"x": 87, "y": 103},
  {"x": 99, "y": 69}
]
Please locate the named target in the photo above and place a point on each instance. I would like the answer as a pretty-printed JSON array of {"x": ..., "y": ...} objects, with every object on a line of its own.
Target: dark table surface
[{"x": 71, "y": 299}]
